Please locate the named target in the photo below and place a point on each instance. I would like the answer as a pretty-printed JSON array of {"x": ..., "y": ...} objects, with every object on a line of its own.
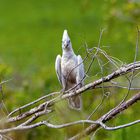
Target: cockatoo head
[{"x": 66, "y": 43}]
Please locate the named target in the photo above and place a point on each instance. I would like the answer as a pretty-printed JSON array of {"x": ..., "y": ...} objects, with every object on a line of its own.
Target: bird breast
[{"x": 69, "y": 71}]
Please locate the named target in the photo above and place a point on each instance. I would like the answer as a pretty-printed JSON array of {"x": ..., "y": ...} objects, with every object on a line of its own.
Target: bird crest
[{"x": 66, "y": 43}]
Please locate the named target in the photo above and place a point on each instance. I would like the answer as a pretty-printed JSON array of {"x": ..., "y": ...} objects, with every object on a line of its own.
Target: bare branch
[
  {"x": 120, "y": 126},
  {"x": 25, "y": 127},
  {"x": 32, "y": 103},
  {"x": 26, "y": 119},
  {"x": 132, "y": 76},
  {"x": 108, "y": 116},
  {"x": 117, "y": 86},
  {"x": 123, "y": 70},
  {"x": 95, "y": 124}
]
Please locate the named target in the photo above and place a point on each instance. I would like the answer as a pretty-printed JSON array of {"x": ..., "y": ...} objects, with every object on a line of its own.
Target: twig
[
  {"x": 103, "y": 96},
  {"x": 123, "y": 70},
  {"x": 31, "y": 103},
  {"x": 92, "y": 60},
  {"x": 132, "y": 76},
  {"x": 120, "y": 126},
  {"x": 108, "y": 116},
  {"x": 25, "y": 127},
  {"x": 117, "y": 86}
]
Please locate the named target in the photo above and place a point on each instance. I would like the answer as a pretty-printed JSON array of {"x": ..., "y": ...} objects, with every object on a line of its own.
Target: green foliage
[{"x": 30, "y": 39}]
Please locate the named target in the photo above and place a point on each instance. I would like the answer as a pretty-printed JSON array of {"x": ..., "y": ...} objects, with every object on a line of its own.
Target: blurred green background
[{"x": 30, "y": 39}]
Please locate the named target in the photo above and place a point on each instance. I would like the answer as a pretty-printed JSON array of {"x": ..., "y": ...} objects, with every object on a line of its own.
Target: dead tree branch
[
  {"x": 26, "y": 119},
  {"x": 95, "y": 124},
  {"x": 108, "y": 116},
  {"x": 121, "y": 71}
]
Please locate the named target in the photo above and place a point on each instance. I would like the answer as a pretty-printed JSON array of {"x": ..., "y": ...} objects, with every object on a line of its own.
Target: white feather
[
  {"x": 70, "y": 70},
  {"x": 58, "y": 68}
]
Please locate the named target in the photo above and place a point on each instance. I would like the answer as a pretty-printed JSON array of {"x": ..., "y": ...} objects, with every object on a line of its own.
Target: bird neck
[{"x": 68, "y": 52}]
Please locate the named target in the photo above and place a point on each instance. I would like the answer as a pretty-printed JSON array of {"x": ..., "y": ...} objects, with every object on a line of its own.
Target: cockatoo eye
[{"x": 68, "y": 41}]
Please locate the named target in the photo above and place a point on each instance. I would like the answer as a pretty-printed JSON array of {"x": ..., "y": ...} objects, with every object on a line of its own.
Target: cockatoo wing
[
  {"x": 58, "y": 68},
  {"x": 80, "y": 70}
]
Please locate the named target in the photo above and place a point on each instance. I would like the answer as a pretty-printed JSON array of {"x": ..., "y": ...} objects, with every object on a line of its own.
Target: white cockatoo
[{"x": 70, "y": 70}]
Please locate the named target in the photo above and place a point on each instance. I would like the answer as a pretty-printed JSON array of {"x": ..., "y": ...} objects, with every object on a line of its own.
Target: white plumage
[{"x": 70, "y": 70}]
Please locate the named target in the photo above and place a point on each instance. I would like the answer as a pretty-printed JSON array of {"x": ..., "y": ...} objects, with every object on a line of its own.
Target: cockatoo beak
[{"x": 65, "y": 44}]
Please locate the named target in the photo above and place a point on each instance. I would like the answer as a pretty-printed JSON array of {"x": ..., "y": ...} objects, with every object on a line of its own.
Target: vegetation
[{"x": 30, "y": 38}]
